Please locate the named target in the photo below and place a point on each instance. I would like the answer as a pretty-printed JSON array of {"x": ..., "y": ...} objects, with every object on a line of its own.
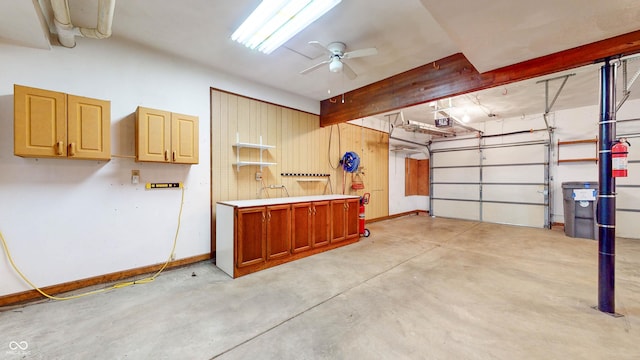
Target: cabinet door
[
  {"x": 250, "y": 237},
  {"x": 40, "y": 122},
  {"x": 89, "y": 128},
  {"x": 321, "y": 227},
  {"x": 153, "y": 135},
  {"x": 353, "y": 209},
  {"x": 184, "y": 139},
  {"x": 338, "y": 216},
  {"x": 300, "y": 227},
  {"x": 278, "y": 231}
]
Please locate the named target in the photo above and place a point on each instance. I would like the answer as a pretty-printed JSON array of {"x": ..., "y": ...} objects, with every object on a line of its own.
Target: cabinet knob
[
  {"x": 166, "y": 155},
  {"x": 174, "y": 156},
  {"x": 59, "y": 147},
  {"x": 72, "y": 149}
]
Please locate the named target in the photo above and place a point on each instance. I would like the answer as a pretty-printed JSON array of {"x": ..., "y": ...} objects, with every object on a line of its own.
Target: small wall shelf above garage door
[{"x": 578, "y": 148}]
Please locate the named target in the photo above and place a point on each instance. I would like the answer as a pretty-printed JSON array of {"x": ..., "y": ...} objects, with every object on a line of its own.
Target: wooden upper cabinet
[
  {"x": 184, "y": 140},
  {"x": 162, "y": 136},
  {"x": 88, "y": 128},
  {"x": 54, "y": 124},
  {"x": 153, "y": 135}
]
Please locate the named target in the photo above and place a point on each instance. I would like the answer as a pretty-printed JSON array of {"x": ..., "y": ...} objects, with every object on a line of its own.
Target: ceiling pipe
[{"x": 67, "y": 32}]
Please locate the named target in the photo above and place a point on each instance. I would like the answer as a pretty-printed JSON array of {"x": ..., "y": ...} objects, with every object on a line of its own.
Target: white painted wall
[
  {"x": 398, "y": 202},
  {"x": 65, "y": 220}
]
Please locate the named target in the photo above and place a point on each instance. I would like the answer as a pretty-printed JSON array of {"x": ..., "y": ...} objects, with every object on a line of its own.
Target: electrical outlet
[
  {"x": 135, "y": 176},
  {"x": 258, "y": 176}
]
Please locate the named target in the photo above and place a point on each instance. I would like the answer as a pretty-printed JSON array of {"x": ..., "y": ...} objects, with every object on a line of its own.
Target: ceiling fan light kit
[{"x": 335, "y": 65}]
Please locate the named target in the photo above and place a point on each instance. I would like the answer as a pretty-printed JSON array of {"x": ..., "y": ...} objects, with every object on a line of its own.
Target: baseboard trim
[
  {"x": 413, "y": 212},
  {"x": 33, "y": 295}
]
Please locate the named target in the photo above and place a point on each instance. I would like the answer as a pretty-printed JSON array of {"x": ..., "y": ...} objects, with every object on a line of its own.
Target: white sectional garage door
[{"x": 499, "y": 183}]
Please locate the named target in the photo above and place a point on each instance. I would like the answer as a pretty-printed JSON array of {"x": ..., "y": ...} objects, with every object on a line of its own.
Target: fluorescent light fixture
[{"x": 274, "y": 22}]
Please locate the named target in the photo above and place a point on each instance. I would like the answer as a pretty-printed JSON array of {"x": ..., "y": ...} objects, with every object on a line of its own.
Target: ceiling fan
[{"x": 336, "y": 53}]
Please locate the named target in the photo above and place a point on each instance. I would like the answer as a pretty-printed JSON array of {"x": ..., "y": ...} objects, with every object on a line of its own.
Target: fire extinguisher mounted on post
[{"x": 619, "y": 154}]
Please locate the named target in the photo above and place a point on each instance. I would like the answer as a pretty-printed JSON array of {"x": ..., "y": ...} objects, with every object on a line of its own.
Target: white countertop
[{"x": 285, "y": 200}]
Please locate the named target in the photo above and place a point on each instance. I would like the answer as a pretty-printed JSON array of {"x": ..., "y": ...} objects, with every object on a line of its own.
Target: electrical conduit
[{"x": 67, "y": 32}]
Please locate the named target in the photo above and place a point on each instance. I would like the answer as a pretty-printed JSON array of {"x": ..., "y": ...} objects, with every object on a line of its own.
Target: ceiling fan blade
[
  {"x": 319, "y": 46},
  {"x": 347, "y": 70},
  {"x": 360, "y": 53},
  {"x": 316, "y": 66}
]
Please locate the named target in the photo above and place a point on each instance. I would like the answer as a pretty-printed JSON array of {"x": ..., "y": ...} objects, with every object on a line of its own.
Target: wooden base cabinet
[
  {"x": 311, "y": 225},
  {"x": 251, "y": 223},
  {"x": 278, "y": 235},
  {"x": 264, "y": 234},
  {"x": 252, "y": 235},
  {"x": 344, "y": 219}
]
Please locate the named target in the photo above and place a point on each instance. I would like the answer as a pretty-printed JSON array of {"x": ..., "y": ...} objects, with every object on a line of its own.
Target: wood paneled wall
[{"x": 301, "y": 146}]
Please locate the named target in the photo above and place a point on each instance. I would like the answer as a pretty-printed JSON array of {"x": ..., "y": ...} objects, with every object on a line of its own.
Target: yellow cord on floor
[{"x": 116, "y": 286}]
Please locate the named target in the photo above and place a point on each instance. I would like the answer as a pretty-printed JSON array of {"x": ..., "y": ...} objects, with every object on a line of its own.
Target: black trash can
[{"x": 580, "y": 209}]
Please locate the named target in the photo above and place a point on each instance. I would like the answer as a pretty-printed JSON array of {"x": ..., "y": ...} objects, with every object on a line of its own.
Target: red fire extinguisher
[
  {"x": 364, "y": 199},
  {"x": 619, "y": 153}
]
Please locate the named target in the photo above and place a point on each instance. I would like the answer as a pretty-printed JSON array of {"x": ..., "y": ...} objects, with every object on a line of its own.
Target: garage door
[{"x": 499, "y": 183}]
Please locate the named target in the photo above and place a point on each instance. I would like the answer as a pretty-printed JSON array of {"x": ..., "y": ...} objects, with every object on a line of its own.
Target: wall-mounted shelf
[
  {"x": 579, "y": 142},
  {"x": 260, "y": 146},
  {"x": 253, "y": 163},
  {"x": 241, "y": 145}
]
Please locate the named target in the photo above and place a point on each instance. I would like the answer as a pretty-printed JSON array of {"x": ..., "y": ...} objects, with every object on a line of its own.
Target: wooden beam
[{"x": 455, "y": 75}]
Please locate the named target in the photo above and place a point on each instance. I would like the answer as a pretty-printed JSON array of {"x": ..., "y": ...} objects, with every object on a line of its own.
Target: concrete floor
[{"x": 418, "y": 288}]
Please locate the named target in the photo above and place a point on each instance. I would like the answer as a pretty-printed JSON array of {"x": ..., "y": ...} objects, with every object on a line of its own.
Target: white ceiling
[{"x": 407, "y": 34}]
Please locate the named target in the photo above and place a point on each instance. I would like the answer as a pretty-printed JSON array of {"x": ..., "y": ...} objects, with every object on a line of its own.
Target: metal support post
[{"x": 606, "y": 209}]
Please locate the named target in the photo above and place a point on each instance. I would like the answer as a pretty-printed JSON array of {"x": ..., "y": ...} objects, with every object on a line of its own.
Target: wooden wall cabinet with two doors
[
  {"x": 252, "y": 235},
  {"x": 166, "y": 137},
  {"x": 51, "y": 124}
]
